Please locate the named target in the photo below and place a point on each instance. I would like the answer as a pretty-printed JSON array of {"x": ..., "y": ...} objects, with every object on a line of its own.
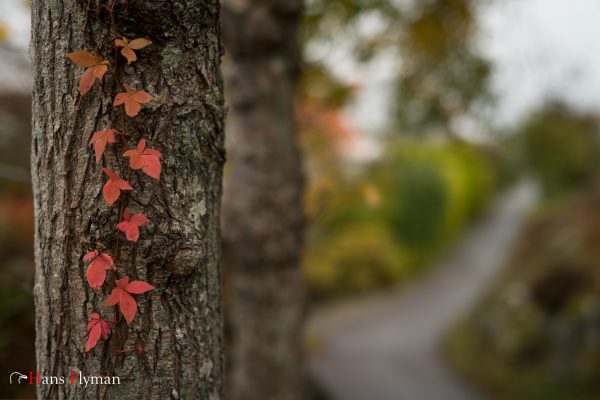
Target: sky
[
  {"x": 542, "y": 49},
  {"x": 539, "y": 48}
]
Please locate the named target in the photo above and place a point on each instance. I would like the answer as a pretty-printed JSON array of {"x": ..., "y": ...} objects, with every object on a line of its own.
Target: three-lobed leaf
[
  {"x": 114, "y": 186},
  {"x": 100, "y": 139},
  {"x": 148, "y": 160},
  {"x": 131, "y": 224},
  {"x": 121, "y": 295},
  {"x": 97, "y": 329},
  {"x": 95, "y": 68},
  {"x": 132, "y": 100},
  {"x": 96, "y": 271},
  {"x": 127, "y": 47}
]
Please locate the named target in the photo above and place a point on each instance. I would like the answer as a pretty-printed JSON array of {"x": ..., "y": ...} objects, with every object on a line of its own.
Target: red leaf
[
  {"x": 113, "y": 298},
  {"x": 122, "y": 283},
  {"x": 96, "y": 271},
  {"x": 139, "y": 287},
  {"x": 100, "y": 139},
  {"x": 92, "y": 254},
  {"x": 94, "y": 335},
  {"x": 97, "y": 329},
  {"x": 132, "y": 100},
  {"x": 148, "y": 160},
  {"x": 128, "y": 307},
  {"x": 113, "y": 187},
  {"x": 138, "y": 348},
  {"x": 131, "y": 224},
  {"x": 95, "y": 275},
  {"x": 122, "y": 295}
]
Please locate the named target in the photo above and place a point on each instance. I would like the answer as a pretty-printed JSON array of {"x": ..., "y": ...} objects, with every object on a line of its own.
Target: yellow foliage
[{"x": 3, "y": 32}]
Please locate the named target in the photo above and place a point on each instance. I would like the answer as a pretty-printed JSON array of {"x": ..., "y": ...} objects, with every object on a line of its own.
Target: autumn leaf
[
  {"x": 148, "y": 160},
  {"x": 95, "y": 68},
  {"x": 132, "y": 99},
  {"x": 128, "y": 47},
  {"x": 138, "y": 348},
  {"x": 96, "y": 272},
  {"x": 122, "y": 295},
  {"x": 131, "y": 225},
  {"x": 97, "y": 329},
  {"x": 113, "y": 187},
  {"x": 100, "y": 139}
]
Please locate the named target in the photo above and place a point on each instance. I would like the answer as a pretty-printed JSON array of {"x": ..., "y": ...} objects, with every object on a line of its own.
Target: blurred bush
[
  {"x": 384, "y": 223},
  {"x": 355, "y": 259},
  {"x": 537, "y": 334},
  {"x": 561, "y": 147}
]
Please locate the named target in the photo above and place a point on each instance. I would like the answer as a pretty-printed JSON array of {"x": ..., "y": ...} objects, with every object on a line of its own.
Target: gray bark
[
  {"x": 179, "y": 324},
  {"x": 262, "y": 203}
]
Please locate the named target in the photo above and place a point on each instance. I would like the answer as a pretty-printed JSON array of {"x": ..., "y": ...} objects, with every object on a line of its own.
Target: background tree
[
  {"x": 179, "y": 329},
  {"x": 262, "y": 205},
  {"x": 443, "y": 74}
]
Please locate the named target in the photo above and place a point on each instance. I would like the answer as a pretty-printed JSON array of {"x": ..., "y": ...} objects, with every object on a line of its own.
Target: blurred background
[{"x": 451, "y": 149}]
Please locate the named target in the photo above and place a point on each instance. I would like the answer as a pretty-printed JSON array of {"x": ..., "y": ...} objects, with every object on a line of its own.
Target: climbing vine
[{"x": 128, "y": 101}]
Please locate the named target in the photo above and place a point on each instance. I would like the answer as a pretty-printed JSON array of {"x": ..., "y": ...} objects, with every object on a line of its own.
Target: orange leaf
[
  {"x": 128, "y": 47},
  {"x": 95, "y": 67},
  {"x": 100, "y": 139},
  {"x": 100, "y": 69},
  {"x": 139, "y": 43},
  {"x": 132, "y": 100},
  {"x": 129, "y": 54},
  {"x": 87, "y": 80},
  {"x": 84, "y": 58}
]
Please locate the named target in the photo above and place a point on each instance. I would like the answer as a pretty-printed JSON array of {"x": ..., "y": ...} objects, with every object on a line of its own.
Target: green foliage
[
  {"x": 358, "y": 258},
  {"x": 433, "y": 190},
  {"x": 417, "y": 205},
  {"x": 561, "y": 147},
  {"x": 535, "y": 334},
  {"x": 387, "y": 223}
]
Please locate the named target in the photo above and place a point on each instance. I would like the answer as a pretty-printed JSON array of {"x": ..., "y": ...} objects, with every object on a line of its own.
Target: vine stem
[{"x": 123, "y": 136}]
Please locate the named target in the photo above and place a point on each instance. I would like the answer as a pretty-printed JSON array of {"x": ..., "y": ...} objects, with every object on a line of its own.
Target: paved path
[{"x": 385, "y": 347}]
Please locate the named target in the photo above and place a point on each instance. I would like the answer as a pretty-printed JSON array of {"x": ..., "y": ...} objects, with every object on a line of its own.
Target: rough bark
[
  {"x": 179, "y": 324},
  {"x": 262, "y": 203}
]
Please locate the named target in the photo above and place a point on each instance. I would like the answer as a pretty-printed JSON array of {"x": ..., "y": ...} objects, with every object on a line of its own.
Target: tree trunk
[
  {"x": 262, "y": 203},
  {"x": 179, "y": 324}
]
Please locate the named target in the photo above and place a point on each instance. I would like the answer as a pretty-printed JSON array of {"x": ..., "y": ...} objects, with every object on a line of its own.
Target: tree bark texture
[
  {"x": 263, "y": 219},
  {"x": 179, "y": 324}
]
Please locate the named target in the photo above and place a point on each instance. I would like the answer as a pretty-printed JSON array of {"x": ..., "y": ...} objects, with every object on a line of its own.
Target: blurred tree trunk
[
  {"x": 180, "y": 324},
  {"x": 262, "y": 208}
]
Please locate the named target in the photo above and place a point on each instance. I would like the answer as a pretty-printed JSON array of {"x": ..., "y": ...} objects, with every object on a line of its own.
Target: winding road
[{"x": 386, "y": 347}]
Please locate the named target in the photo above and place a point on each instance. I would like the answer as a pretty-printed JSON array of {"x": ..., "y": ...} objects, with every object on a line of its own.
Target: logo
[
  {"x": 74, "y": 378},
  {"x": 19, "y": 376}
]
